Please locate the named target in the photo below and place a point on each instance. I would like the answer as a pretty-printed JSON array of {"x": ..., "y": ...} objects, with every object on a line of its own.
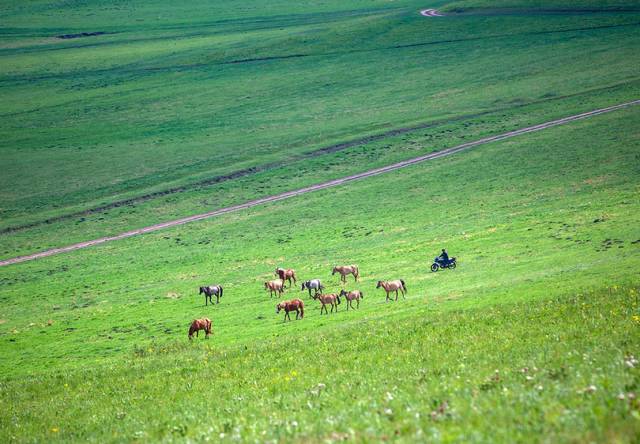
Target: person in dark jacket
[{"x": 444, "y": 257}]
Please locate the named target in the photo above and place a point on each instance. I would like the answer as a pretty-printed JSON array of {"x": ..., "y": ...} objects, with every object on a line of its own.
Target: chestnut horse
[
  {"x": 200, "y": 324},
  {"x": 276, "y": 287},
  {"x": 328, "y": 299},
  {"x": 209, "y": 291},
  {"x": 293, "y": 305},
  {"x": 393, "y": 286},
  {"x": 350, "y": 296},
  {"x": 345, "y": 270},
  {"x": 286, "y": 275}
]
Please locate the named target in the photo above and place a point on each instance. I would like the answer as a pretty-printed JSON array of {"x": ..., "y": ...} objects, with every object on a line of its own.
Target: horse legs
[{"x": 396, "y": 295}]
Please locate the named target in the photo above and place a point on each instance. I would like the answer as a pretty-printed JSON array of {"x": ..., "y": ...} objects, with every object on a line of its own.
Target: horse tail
[
  {"x": 361, "y": 295},
  {"x": 357, "y": 274},
  {"x": 404, "y": 285},
  {"x": 301, "y": 309},
  {"x": 221, "y": 290}
]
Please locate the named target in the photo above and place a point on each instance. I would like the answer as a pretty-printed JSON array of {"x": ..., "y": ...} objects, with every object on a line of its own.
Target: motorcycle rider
[{"x": 444, "y": 257}]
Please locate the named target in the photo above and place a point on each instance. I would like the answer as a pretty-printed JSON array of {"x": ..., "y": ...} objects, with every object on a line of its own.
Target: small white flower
[
  {"x": 539, "y": 388},
  {"x": 388, "y": 412},
  {"x": 388, "y": 396},
  {"x": 621, "y": 396}
]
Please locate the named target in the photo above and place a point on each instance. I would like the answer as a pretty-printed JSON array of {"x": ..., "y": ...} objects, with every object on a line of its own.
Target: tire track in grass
[{"x": 320, "y": 186}]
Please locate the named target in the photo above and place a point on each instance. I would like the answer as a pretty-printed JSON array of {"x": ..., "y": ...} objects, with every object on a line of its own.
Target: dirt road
[{"x": 320, "y": 186}]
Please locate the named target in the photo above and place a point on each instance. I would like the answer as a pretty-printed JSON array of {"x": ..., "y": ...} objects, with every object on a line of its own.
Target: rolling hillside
[{"x": 534, "y": 337}]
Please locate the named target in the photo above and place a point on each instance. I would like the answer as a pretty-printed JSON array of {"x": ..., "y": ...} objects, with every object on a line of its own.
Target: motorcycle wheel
[
  {"x": 452, "y": 265},
  {"x": 434, "y": 267}
]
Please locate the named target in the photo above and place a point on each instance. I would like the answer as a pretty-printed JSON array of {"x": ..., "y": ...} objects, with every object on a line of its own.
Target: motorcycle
[{"x": 439, "y": 263}]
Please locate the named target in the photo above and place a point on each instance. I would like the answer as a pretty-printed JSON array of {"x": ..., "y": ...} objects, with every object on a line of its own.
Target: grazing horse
[
  {"x": 209, "y": 291},
  {"x": 276, "y": 287},
  {"x": 293, "y": 305},
  {"x": 328, "y": 299},
  {"x": 350, "y": 296},
  {"x": 393, "y": 286},
  {"x": 286, "y": 275},
  {"x": 314, "y": 284},
  {"x": 200, "y": 324},
  {"x": 345, "y": 270}
]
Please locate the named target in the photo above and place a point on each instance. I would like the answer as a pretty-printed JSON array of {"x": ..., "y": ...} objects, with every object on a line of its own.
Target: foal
[
  {"x": 276, "y": 287},
  {"x": 390, "y": 286},
  {"x": 346, "y": 270},
  {"x": 200, "y": 324},
  {"x": 209, "y": 291},
  {"x": 328, "y": 299},
  {"x": 350, "y": 296}
]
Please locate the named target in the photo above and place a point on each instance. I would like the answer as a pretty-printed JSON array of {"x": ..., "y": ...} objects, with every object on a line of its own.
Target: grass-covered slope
[
  {"x": 545, "y": 230},
  {"x": 176, "y": 94}
]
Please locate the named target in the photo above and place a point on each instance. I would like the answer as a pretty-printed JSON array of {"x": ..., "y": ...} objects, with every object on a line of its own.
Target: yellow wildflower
[{"x": 55, "y": 429}]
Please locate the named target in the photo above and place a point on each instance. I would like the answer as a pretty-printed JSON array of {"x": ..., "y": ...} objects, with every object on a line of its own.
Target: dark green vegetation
[
  {"x": 170, "y": 99},
  {"x": 534, "y": 337}
]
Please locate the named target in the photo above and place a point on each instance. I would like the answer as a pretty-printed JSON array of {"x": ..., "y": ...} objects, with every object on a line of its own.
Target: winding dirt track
[
  {"x": 430, "y": 13},
  {"x": 320, "y": 186}
]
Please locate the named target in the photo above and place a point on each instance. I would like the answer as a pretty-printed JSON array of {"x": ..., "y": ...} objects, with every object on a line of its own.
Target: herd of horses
[{"x": 278, "y": 287}]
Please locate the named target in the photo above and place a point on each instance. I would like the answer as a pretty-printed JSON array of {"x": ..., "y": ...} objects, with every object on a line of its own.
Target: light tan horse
[
  {"x": 200, "y": 324},
  {"x": 393, "y": 286},
  {"x": 346, "y": 270},
  {"x": 293, "y": 305},
  {"x": 286, "y": 275},
  {"x": 276, "y": 287},
  {"x": 327, "y": 299},
  {"x": 350, "y": 296}
]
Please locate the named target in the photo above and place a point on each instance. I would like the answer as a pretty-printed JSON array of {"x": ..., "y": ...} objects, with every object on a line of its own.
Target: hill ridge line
[{"x": 316, "y": 187}]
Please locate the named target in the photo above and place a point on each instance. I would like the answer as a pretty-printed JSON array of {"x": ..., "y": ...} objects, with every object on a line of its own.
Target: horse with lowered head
[
  {"x": 328, "y": 299},
  {"x": 210, "y": 291},
  {"x": 390, "y": 286},
  {"x": 346, "y": 270},
  {"x": 200, "y": 324},
  {"x": 293, "y": 305},
  {"x": 350, "y": 296},
  {"x": 314, "y": 284},
  {"x": 286, "y": 274},
  {"x": 276, "y": 287}
]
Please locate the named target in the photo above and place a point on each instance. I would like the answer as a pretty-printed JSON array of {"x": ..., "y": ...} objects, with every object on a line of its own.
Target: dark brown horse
[
  {"x": 350, "y": 296},
  {"x": 200, "y": 324},
  {"x": 393, "y": 286},
  {"x": 286, "y": 275},
  {"x": 276, "y": 287},
  {"x": 293, "y": 305},
  {"x": 328, "y": 299},
  {"x": 210, "y": 291}
]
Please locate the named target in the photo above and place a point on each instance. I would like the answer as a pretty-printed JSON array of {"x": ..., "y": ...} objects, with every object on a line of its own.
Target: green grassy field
[
  {"x": 169, "y": 100},
  {"x": 546, "y": 280},
  {"x": 534, "y": 337}
]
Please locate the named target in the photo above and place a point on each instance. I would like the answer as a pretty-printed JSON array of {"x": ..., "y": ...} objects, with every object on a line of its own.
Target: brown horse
[
  {"x": 293, "y": 305},
  {"x": 328, "y": 299},
  {"x": 346, "y": 270},
  {"x": 350, "y": 296},
  {"x": 200, "y": 324},
  {"x": 393, "y": 286},
  {"x": 286, "y": 275},
  {"x": 276, "y": 287}
]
